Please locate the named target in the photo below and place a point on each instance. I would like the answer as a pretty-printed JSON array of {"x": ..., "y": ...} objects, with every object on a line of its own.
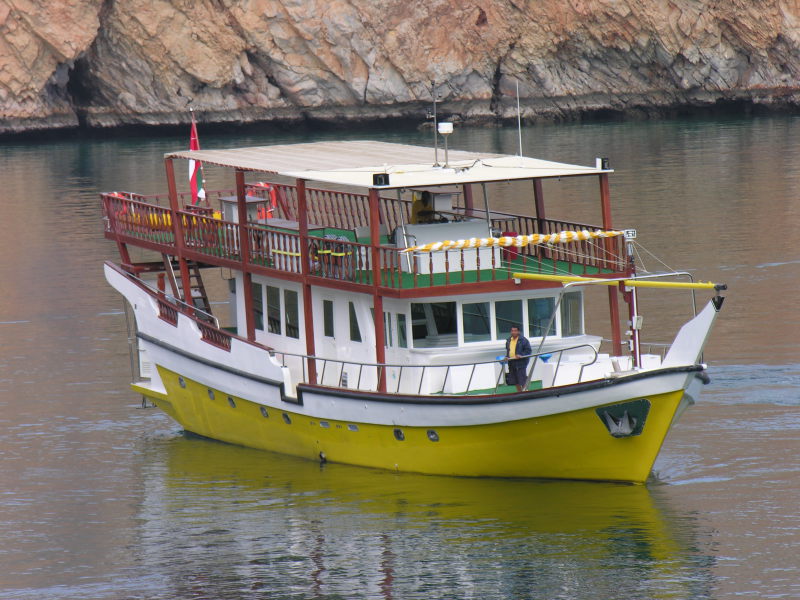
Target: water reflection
[
  {"x": 102, "y": 500},
  {"x": 223, "y": 521}
]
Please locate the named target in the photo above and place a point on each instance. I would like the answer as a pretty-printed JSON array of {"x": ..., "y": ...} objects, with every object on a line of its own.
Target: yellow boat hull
[{"x": 569, "y": 445}]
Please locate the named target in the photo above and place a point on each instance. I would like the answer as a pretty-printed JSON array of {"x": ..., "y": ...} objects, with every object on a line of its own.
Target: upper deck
[{"x": 353, "y": 240}]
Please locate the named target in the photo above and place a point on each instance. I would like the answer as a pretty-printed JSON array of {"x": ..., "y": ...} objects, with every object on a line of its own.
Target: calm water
[{"x": 101, "y": 499}]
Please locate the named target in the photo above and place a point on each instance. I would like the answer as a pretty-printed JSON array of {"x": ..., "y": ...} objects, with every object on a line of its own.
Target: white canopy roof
[{"x": 353, "y": 163}]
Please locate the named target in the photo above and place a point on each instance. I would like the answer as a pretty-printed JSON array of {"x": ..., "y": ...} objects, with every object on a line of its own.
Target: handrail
[
  {"x": 382, "y": 367},
  {"x": 191, "y": 307},
  {"x": 162, "y": 294}
]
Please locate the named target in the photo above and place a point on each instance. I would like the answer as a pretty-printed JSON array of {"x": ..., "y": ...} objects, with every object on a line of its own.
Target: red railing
[
  {"x": 210, "y": 235},
  {"x": 340, "y": 259},
  {"x": 137, "y": 216},
  {"x": 330, "y": 208},
  {"x": 128, "y": 214},
  {"x": 167, "y": 311},
  {"x": 276, "y": 249},
  {"x": 214, "y": 336}
]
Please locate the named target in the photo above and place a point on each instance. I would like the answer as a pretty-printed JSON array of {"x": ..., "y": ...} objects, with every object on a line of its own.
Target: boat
[{"x": 371, "y": 289}]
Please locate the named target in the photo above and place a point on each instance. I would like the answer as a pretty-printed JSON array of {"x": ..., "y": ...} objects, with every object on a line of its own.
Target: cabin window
[
  {"x": 477, "y": 322},
  {"x": 387, "y": 329},
  {"x": 508, "y": 314},
  {"x": 327, "y": 318},
  {"x": 571, "y": 314},
  {"x": 273, "y": 310},
  {"x": 540, "y": 314},
  {"x": 355, "y": 332},
  {"x": 258, "y": 305},
  {"x": 292, "y": 314},
  {"x": 402, "y": 340},
  {"x": 434, "y": 324}
]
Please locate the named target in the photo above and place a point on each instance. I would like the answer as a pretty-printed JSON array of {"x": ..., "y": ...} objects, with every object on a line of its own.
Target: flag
[{"x": 195, "y": 168}]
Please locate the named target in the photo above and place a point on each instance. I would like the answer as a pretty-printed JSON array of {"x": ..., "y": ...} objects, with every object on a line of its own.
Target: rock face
[{"x": 103, "y": 63}]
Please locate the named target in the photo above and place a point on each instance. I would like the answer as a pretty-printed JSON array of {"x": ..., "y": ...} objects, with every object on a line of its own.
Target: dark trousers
[{"x": 516, "y": 374}]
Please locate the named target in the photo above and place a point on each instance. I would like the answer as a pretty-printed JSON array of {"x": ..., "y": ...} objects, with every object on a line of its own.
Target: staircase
[{"x": 197, "y": 296}]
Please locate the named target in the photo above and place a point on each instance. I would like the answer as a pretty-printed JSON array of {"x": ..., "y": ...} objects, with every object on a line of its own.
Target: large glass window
[
  {"x": 327, "y": 318},
  {"x": 508, "y": 314},
  {"x": 355, "y": 332},
  {"x": 258, "y": 305},
  {"x": 273, "y": 310},
  {"x": 292, "y": 313},
  {"x": 434, "y": 324},
  {"x": 540, "y": 313},
  {"x": 402, "y": 340},
  {"x": 571, "y": 314},
  {"x": 476, "y": 319}
]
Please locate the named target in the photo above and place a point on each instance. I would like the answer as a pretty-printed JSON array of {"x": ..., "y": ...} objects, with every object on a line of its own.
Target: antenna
[
  {"x": 435, "y": 126},
  {"x": 519, "y": 122}
]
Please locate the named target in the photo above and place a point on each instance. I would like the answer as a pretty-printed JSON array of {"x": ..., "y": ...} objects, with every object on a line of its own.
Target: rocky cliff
[{"x": 102, "y": 63}]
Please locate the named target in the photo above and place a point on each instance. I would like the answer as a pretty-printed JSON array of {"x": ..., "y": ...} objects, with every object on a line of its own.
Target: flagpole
[
  {"x": 201, "y": 192},
  {"x": 202, "y": 173}
]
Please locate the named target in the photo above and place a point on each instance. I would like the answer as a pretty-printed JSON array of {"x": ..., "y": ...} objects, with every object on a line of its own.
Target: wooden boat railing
[
  {"x": 170, "y": 307},
  {"x": 376, "y": 373},
  {"x": 132, "y": 217}
]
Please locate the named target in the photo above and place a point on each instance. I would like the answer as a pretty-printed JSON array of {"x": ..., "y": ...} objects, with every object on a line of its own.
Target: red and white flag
[{"x": 195, "y": 168}]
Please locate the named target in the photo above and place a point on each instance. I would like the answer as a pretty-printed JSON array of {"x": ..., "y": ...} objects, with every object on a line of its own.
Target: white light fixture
[{"x": 445, "y": 128}]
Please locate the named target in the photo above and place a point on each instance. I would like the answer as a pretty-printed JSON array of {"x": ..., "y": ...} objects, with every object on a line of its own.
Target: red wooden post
[
  {"x": 305, "y": 258},
  {"x": 613, "y": 299},
  {"x": 177, "y": 229},
  {"x": 468, "y": 202},
  {"x": 538, "y": 197},
  {"x": 244, "y": 251},
  {"x": 541, "y": 225},
  {"x": 377, "y": 299}
]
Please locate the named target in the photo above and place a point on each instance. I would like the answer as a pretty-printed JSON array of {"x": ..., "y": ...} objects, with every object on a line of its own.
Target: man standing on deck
[{"x": 517, "y": 346}]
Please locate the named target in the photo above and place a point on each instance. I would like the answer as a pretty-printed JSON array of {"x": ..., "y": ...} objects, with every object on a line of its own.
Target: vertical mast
[
  {"x": 435, "y": 127},
  {"x": 633, "y": 308},
  {"x": 305, "y": 263},
  {"x": 613, "y": 299},
  {"x": 377, "y": 299},
  {"x": 519, "y": 123},
  {"x": 244, "y": 248}
]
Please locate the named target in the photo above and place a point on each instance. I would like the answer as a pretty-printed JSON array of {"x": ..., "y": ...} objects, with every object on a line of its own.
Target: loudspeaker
[{"x": 380, "y": 179}]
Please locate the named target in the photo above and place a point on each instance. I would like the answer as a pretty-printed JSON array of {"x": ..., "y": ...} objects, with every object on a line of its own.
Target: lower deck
[{"x": 577, "y": 444}]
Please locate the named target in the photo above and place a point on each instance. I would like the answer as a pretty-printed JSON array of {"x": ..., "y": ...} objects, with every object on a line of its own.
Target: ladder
[{"x": 197, "y": 296}]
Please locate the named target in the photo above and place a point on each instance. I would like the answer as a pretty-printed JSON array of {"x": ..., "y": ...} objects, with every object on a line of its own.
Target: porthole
[
  {"x": 232, "y": 402},
  {"x": 324, "y": 424},
  {"x": 264, "y": 412},
  {"x": 182, "y": 382},
  {"x": 286, "y": 419},
  {"x": 399, "y": 435},
  {"x": 210, "y": 393},
  {"x": 433, "y": 436},
  {"x": 351, "y": 427}
]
